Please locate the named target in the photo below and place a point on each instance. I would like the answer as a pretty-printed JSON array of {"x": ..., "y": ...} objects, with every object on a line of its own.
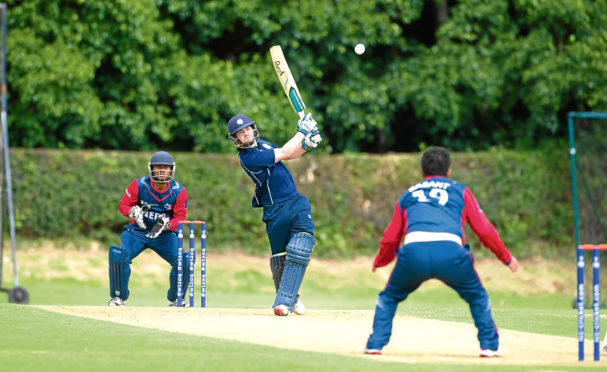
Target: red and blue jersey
[
  {"x": 273, "y": 181},
  {"x": 171, "y": 203},
  {"x": 436, "y": 209}
]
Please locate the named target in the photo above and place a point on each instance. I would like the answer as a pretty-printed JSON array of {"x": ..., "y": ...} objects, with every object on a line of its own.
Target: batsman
[
  {"x": 286, "y": 213},
  {"x": 155, "y": 204}
]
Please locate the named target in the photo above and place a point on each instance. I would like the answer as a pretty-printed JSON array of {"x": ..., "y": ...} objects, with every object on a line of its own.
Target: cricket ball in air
[{"x": 359, "y": 49}]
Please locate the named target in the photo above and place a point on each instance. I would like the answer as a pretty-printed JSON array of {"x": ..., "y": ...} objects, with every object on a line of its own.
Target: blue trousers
[
  {"x": 165, "y": 245},
  {"x": 446, "y": 261},
  {"x": 285, "y": 219}
]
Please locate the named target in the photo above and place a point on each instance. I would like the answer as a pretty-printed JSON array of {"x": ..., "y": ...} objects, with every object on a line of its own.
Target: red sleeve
[
  {"x": 180, "y": 210},
  {"x": 393, "y": 235},
  {"x": 129, "y": 199},
  {"x": 483, "y": 228}
]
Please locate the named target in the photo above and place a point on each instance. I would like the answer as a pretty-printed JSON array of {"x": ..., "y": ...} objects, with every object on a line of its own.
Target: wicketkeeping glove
[
  {"x": 136, "y": 213},
  {"x": 306, "y": 124},
  {"x": 161, "y": 224}
]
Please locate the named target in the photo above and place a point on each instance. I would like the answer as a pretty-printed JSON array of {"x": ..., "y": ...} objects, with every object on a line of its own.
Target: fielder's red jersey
[{"x": 436, "y": 209}]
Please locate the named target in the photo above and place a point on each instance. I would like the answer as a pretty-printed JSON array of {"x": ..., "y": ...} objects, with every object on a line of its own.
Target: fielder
[
  {"x": 155, "y": 204},
  {"x": 430, "y": 216},
  {"x": 286, "y": 213}
]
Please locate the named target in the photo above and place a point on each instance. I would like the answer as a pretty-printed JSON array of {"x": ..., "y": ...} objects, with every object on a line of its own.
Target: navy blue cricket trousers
[
  {"x": 285, "y": 219},
  {"x": 446, "y": 261}
]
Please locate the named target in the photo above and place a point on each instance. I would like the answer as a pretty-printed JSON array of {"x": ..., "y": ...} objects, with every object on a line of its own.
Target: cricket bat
[{"x": 286, "y": 80}]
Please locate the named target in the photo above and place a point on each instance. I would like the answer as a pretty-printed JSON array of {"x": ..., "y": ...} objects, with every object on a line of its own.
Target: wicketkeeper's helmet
[{"x": 161, "y": 158}]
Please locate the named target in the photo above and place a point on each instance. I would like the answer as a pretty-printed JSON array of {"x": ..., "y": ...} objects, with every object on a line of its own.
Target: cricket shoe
[
  {"x": 116, "y": 301},
  {"x": 488, "y": 353},
  {"x": 184, "y": 303},
  {"x": 281, "y": 310},
  {"x": 299, "y": 307},
  {"x": 373, "y": 351}
]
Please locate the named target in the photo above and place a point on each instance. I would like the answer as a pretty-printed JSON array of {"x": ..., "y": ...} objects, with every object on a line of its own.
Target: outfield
[{"x": 69, "y": 327}]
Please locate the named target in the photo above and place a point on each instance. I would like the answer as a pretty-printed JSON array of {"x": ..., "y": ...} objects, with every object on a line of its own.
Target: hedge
[{"x": 74, "y": 194}]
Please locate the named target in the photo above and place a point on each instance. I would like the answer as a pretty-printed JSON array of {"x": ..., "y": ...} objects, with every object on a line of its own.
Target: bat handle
[{"x": 301, "y": 114}]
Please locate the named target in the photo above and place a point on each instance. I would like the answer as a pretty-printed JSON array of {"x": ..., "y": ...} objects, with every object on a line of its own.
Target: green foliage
[
  {"x": 527, "y": 196},
  {"x": 144, "y": 74},
  {"x": 68, "y": 194}
]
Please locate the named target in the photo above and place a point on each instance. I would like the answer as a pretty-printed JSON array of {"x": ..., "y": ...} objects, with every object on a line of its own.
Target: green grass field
[{"x": 538, "y": 301}]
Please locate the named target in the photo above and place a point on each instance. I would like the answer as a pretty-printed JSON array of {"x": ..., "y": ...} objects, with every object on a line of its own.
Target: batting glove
[
  {"x": 136, "y": 213},
  {"x": 306, "y": 124},
  {"x": 161, "y": 225},
  {"x": 312, "y": 140}
]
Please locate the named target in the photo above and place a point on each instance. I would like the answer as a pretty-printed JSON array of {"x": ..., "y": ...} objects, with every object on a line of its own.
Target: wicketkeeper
[
  {"x": 286, "y": 213},
  {"x": 155, "y": 204}
]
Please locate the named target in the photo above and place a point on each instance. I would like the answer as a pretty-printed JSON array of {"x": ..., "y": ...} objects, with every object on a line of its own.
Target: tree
[{"x": 146, "y": 74}]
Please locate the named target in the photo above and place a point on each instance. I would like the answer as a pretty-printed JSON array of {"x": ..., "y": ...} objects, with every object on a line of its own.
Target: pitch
[{"x": 416, "y": 340}]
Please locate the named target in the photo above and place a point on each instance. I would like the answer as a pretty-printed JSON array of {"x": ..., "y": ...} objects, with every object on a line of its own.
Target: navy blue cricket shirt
[{"x": 273, "y": 181}]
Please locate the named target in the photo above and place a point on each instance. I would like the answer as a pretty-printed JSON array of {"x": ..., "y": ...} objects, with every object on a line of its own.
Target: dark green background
[{"x": 144, "y": 74}]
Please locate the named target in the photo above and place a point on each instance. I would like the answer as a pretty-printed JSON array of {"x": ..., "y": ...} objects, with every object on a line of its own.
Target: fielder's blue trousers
[{"x": 446, "y": 261}]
